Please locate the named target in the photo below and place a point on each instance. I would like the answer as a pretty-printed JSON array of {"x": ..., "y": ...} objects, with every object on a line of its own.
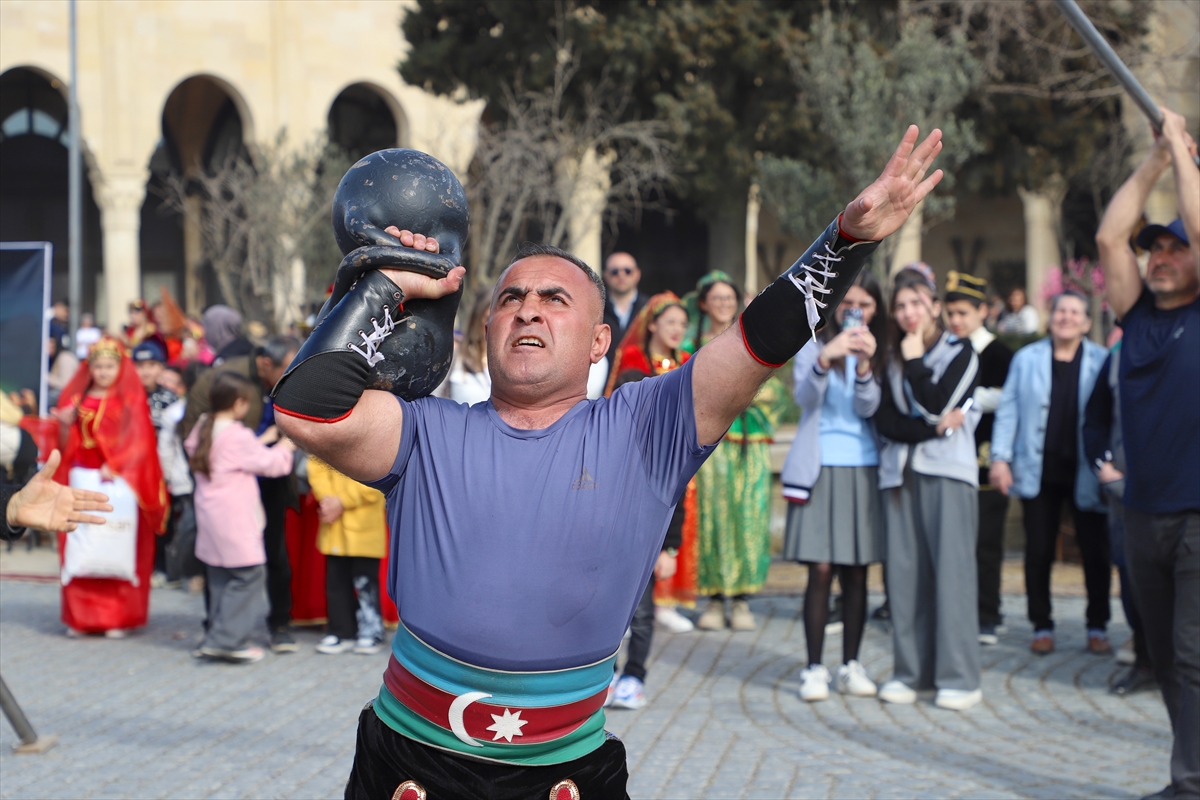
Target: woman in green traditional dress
[{"x": 734, "y": 485}]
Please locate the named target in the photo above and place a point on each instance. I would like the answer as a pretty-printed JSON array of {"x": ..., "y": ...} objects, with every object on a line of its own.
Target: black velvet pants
[{"x": 383, "y": 759}]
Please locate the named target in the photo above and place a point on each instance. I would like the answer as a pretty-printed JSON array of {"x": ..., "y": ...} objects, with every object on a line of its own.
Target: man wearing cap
[
  {"x": 966, "y": 311},
  {"x": 166, "y": 410},
  {"x": 1159, "y": 384}
]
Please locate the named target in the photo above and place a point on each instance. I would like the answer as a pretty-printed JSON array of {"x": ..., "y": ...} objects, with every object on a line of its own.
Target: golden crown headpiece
[
  {"x": 106, "y": 346},
  {"x": 969, "y": 285}
]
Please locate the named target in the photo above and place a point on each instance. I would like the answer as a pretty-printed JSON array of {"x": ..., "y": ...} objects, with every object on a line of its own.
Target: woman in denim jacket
[{"x": 1037, "y": 454}]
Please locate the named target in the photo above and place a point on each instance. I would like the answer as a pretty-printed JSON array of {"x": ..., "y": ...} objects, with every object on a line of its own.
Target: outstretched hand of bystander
[{"x": 47, "y": 505}]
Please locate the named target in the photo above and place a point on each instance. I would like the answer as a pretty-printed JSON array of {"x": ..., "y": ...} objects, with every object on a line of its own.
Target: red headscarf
[
  {"x": 123, "y": 432},
  {"x": 631, "y": 354}
]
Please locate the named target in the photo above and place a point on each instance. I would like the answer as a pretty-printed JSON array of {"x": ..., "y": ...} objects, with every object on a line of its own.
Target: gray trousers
[
  {"x": 1163, "y": 556},
  {"x": 237, "y": 599},
  {"x": 931, "y": 580}
]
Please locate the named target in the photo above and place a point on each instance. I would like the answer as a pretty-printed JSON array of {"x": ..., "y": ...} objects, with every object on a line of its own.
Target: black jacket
[{"x": 618, "y": 332}]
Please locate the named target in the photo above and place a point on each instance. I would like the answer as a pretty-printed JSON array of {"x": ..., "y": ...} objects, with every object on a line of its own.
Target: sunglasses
[{"x": 615, "y": 271}]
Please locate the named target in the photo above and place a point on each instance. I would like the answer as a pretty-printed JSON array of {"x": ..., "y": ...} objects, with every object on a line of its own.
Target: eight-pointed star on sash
[{"x": 508, "y": 725}]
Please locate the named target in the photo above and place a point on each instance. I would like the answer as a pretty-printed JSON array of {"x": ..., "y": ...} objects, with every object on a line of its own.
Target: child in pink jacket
[{"x": 225, "y": 457}]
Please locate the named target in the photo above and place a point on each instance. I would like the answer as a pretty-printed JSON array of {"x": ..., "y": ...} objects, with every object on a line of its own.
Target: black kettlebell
[{"x": 412, "y": 191}]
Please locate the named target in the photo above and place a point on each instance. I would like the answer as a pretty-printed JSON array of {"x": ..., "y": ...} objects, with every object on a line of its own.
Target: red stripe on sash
[{"x": 542, "y": 724}]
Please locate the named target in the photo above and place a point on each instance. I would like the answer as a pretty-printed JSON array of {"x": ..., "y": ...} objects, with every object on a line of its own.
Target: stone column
[
  {"x": 1043, "y": 213},
  {"x": 193, "y": 257},
  {"x": 120, "y": 197},
  {"x": 908, "y": 240},
  {"x": 583, "y": 186},
  {"x": 753, "y": 206}
]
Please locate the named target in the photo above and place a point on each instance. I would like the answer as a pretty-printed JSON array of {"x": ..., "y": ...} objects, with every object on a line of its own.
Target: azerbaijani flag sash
[{"x": 527, "y": 718}]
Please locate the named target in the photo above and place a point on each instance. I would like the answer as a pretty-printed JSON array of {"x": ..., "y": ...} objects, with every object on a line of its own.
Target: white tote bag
[{"x": 108, "y": 550}]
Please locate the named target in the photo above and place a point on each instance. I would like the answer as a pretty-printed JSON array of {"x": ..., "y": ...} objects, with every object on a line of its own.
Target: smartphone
[{"x": 852, "y": 318}]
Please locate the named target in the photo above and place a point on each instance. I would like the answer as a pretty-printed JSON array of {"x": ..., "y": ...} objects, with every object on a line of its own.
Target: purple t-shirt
[{"x": 528, "y": 550}]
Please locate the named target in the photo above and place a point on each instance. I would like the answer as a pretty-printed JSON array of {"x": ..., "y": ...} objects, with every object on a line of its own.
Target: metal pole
[
  {"x": 1103, "y": 50},
  {"x": 15, "y": 715},
  {"x": 74, "y": 190},
  {"x": 30, "y": 741}
]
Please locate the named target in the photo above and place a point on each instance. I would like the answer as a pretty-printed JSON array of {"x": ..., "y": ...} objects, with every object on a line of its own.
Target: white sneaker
[
  {"x": 852, "y": 679},
  {"x": 332, "y": 645},
  {"x": 1125, "y": 654},
  {"x": 612, "y": 690},
  {"x": 896, "y": 692},
  {"x": 672, "y": 620},
  {"x": 630, "y": 693},
  {"x": 814, "y": 683},
  {"x": 957, "y": 699},
  {"x": 367, "y": 646}
]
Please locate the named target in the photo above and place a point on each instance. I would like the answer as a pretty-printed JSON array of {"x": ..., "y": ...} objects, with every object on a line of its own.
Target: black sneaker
[
  {"x": 282, "y": 641},
  {"x": 1137, "y": 679},
  {"x": 988, "y": 634}
]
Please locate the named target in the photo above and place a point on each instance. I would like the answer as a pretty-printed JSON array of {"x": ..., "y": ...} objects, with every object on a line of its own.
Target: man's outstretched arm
[
  {"x": 730, "y": 369},
  {"x": 322, "y": 402}
]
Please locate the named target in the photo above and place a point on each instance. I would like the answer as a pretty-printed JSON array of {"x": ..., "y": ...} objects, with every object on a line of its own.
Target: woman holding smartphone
[{"x": 835, "y": 520}]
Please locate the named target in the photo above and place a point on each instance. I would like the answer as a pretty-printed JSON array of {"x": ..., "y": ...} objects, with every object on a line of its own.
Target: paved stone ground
[{"x": 139, "y": 718}]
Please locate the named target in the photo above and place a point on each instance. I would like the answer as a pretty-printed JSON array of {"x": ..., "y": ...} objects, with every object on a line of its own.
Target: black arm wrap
[
  {"x": 776, "y": 324},
  {"x": 333, "y": 368}
]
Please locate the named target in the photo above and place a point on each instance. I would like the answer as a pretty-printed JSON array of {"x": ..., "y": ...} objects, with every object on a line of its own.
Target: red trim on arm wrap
[
  {"x": 310, "y": 418},
  {"x": 750, "y": 350},
  {"x": 842, "y": 231}
]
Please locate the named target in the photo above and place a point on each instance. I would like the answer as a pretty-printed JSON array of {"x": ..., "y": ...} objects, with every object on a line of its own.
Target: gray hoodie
[{"x": 950, "y": 456}]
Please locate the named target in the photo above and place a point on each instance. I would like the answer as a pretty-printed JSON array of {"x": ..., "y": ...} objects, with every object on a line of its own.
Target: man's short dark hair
[
  {"x": 1087, "y": 306},
  {"x": 531, "y": 249},
  {"x": 278, "y": 349}
]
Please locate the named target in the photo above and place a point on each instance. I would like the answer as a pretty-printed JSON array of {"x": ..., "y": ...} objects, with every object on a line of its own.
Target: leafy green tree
[
  {"x": 715, "y": 72},
  {"x": 863, "y": 94},
  {"x": 1047, "y": 111}
]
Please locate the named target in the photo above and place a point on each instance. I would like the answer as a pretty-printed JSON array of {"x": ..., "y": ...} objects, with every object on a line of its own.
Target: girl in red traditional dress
[
  {"x": 104, "y": 424},
  {"x": 651, "y": 347}
]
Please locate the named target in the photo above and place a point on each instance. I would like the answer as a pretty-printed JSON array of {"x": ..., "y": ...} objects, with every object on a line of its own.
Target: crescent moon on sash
[{"x": 456, "y": 716}]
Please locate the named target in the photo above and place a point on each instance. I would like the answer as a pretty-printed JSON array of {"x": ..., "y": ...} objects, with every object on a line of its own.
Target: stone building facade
[
  {"x": 176, "y": 77},
  {"x": 172, "y": 84}
]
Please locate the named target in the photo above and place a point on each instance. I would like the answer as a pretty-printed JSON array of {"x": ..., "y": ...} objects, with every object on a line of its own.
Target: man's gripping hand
[
  {"x": 322, "y": 401},
  {"x": 414, "y": 285}
]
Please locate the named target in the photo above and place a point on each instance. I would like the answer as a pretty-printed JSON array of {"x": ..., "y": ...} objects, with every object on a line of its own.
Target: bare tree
[
  {"x": 1027, "y": 47},
  {"x": 263, "y": 220},
  {"x": 550, "y": 162}
]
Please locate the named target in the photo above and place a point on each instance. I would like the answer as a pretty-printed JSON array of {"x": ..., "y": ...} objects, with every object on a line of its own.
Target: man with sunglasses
[{"x": 621, "y": 277}]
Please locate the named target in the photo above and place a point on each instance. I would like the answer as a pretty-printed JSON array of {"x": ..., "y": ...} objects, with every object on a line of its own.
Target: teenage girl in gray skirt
[
  {"x": 930, "y": 478},
  {"x": 834, "y": 514}
]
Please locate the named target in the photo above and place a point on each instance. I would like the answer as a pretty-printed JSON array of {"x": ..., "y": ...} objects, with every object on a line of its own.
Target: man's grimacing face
[{"x": 545, "y": 325}]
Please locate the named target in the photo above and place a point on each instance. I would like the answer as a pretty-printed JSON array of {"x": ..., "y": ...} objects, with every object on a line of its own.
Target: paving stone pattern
[{"x": 139, "y": 718}]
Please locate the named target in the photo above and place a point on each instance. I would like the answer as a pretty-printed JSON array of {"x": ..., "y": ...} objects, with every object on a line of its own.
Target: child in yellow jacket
[{"x": 353, "y": 537}]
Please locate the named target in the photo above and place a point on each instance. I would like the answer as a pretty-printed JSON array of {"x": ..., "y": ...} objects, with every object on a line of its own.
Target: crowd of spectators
[{"x": 917, "y": 425}]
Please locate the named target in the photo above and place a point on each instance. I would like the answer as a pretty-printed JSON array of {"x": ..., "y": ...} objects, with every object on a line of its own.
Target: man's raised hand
[
  {"x": 416, "y": 286},
  {"x": 885, "y": 205}
]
